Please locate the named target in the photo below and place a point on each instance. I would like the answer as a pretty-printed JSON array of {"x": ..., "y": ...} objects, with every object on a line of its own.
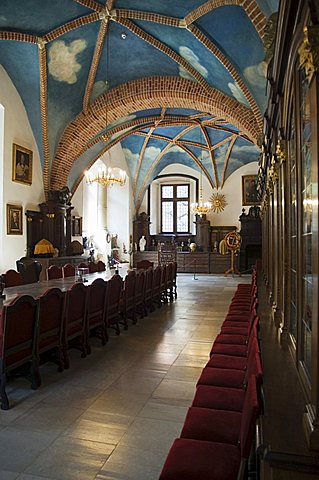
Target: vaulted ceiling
[{"x": 178, "y": 81}]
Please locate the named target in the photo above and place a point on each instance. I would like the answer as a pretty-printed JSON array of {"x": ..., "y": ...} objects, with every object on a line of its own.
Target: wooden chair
[
  {"x": 54, "y": 272},
  {"x": 163, "y": 284},
  {"x": 93, "y": 268},
  {"x": 100, "y": 266},
  {"x": 74, "y": 334},
  {"x": 68, "y": 270},
  {"x": 139, "y": 292},
  {"x": 174, "y": 281},
  {"x": 83, "y": 265},
  {"x": 127, "y": 302},
  {"x": 148, "y": 297},
  {"x": 169, "y": 281},
  {"x": 51, "y": 326},
  {"x": 113, "y": 296},
  {"x": 214, "y": 443},
  {"x": 17, "y": 342},
  {"x": 157, "y": 276},
  {"x": 96, "y": 312},
  {"x": 30, "y": 269},
  {"x": 144, "y": 264},
  {"x": 11, "y": 278}
]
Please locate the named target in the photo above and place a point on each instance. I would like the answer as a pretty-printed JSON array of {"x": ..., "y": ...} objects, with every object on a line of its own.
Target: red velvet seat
[
  {"x": 193, "y": 458},
  {"x": 221, "y": 369},
  {"x": 201, "y": 460},
  {"x": 11, "y": 278},
  {"x": 232, "y": 350},
  {"x": 68, "y": 270},
  {"x": 239, "y": 334},
  {"x": 96, "y": 309},
  {"x": 219, "y": 398},
  {"x": 224, "y": 426},
  {"x": 51, "y": 326},
  {"x": 54, "y": 271},
  {"x": 113, "y": 296},
  {"x": 18, "y": 342},
  {"x": 74, "y": 334}
]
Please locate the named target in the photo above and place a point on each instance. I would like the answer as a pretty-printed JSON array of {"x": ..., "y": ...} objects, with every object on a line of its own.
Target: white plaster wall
[
  {"x": 17, "y": 129},
  {"x": 232, "y": 191},
  {"x": 120, "y": 204}
]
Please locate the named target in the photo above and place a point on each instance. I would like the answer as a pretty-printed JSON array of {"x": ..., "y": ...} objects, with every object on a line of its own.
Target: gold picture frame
[
  {"x": 22, "y": 159},
  {"x": 249, "y": 190},
  {"x": 14, "y": 219}
]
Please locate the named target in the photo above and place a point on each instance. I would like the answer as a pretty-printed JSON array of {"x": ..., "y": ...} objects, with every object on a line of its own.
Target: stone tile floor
[{"x": 115, "y": 414}]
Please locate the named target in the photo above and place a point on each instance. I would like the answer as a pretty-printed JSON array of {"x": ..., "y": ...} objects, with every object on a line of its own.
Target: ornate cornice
[{"x": 309, "y": 51}]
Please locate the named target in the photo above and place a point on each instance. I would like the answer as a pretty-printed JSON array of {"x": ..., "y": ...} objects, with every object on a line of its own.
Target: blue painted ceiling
[{"x": 183, "y": 136}]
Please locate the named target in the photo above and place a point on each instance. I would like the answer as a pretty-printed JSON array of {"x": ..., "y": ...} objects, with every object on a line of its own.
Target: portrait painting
[
  {"x": 21, "y": 164},
  {"x": 14, "y": 219},
  {"x": 249, "y": 190}
]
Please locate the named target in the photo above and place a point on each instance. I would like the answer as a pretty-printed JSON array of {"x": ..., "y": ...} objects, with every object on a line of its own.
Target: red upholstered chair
[
  {"x": 224, "y": 425},
  {"x": 157, "y": 277},
  {"x": 96, "y": 312},
  {"x": 113, "y": 296},
  {"x": 54, "y": 272},
  {"x": 148, "y": 296},
  {"x": 175, "y": 279},
  {"x": 127, "y": 302},
  {"x": 139, "y": 292},
  {"x": 12, "y": 278},
  {"x": 232, "y": 371},
  {"x": 239, "y": 347},
  {"x": 68, "y": 270},
  {"x": 17, "y": 342},
  {"x": 200, "y": 459},
  {"x": 100, "y": 266},
  {"x": 51, "y": 326},
  {"x": 74, "y": 334},
  {"x": 163, "y": 284},
  {"x": 93, "y": 267},
  {"x": 144, "y": 264},
  {"x": 83, "y": 265},
  {"x": 169, "y": 281}
]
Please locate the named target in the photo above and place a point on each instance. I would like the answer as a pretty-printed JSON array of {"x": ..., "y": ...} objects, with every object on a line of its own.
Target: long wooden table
[{"x": 37, "y": 289}]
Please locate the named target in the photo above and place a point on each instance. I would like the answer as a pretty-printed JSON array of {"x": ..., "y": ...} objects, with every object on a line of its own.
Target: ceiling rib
[
  {"x": 227, "y": 156},
  {"x": 211, "y": 153},
  {"x": 95, "y": 63}
]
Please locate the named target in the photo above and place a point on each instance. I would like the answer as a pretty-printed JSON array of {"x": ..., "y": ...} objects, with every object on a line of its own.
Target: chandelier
[
  {"x": 201, "y": 207},
  {"x": 107, "y": 176}
]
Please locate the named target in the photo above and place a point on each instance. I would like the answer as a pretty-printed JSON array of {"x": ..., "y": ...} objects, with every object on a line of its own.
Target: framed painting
[
  {"x": 14, "y": 219},
  {"x": 249, "y": 190},
  {"x": 22, "y": 164}
]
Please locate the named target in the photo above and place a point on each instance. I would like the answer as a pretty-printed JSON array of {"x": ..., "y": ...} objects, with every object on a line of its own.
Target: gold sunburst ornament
[{"x": 218, "y": 201}]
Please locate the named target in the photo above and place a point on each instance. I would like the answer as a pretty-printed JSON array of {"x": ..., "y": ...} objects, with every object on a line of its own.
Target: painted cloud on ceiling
[
  {"x": 63, "y": 65},
  {"x": 193, "y": 59},
  {"x": 237, "y": 93}
]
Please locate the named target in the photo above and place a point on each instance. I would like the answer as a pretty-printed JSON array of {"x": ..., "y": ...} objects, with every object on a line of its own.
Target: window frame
[{"x": 174, "y": 200}]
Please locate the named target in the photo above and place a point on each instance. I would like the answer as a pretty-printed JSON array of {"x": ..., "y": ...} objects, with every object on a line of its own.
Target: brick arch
[{"x": 142, "y": 94}]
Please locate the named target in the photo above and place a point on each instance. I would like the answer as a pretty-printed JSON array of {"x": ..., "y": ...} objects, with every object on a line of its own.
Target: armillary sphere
[{"x": 233, "y": 243}]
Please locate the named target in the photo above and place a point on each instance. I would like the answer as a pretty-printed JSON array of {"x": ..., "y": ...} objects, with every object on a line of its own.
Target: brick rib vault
[{"x": 153, "y": 92}]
